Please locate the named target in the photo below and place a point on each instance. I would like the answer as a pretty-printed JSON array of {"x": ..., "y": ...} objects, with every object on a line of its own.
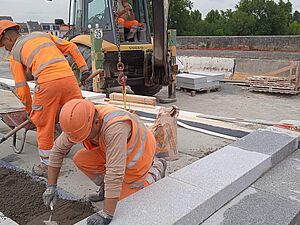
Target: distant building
[
  {"x": 6, "y": 18},
  {"x": 33, "y": 26},
  {"x": 24, "y": 28},
  {"x": 51, "y": 28}
]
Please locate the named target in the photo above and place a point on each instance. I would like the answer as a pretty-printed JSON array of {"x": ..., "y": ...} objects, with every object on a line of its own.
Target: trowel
[{"x": 50, "y": 222}]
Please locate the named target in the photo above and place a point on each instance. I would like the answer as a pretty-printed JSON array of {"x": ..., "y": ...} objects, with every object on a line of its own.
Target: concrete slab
[
  {"x": 285, "y": 131},
  {"x": 171, "y": 202},
  {"x": 236, "y": 169},
  {"x": 6, "y": 221},
  {"x": 256, "y": 207},
  {"x": 199, "y": 86},
  {"x": 272, "y": 199},
  {"x": 210, "y": 64},
  {"x": 283, "y": 179},
  {"x": 245, "y": 68},
  {"x": 190, "y": 78},
  {"x": 211, "y": 76},
  {"x": 277, "y": 145}
]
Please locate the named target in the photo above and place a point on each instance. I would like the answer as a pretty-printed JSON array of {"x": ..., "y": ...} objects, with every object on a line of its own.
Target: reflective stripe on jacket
[
  {"x": 139, "y": 152},
  {"x": 43, "y": 55}
]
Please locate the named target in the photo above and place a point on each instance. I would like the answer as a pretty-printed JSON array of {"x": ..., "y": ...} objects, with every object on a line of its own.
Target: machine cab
[{"x": 101, "y": 13}]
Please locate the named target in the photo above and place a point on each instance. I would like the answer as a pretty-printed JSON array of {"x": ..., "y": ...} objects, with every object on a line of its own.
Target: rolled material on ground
[
  {"x": 215, "y": 134},
  {"x": 206, "y": 131}
]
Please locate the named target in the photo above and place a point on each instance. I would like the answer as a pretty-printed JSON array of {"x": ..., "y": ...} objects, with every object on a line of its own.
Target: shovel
[{"x": 50, "y": 222}]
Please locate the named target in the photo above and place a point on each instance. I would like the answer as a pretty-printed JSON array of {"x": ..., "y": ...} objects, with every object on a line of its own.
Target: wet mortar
[{"x": 21, "y": 200}]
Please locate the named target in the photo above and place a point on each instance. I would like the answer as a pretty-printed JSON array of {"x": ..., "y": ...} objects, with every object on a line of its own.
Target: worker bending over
[
  {"x": 41, "y": 56},
  {"x": 118, "y": 154}
]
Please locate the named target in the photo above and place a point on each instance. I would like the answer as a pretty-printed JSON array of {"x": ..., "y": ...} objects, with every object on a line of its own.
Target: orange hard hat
[
  {"x": 5, "y": 24},
  {"x": 76, "y": 119}
]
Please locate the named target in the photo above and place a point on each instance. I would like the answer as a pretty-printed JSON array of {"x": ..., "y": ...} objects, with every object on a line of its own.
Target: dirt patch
[{"x": 21, "y": 200}]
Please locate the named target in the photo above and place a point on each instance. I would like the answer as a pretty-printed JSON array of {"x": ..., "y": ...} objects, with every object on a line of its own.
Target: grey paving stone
[
  {"x": 190, "y": 78},
  {"x": 199, "y": 86},
  {"x": 283, "y": 179},
  {"x": 286, "y": 131},
  {"x": 166, "y": 202},
  {"x": 255, "y": 207},
  {"x": 229, "y": 167},
  {"x": 192, "y": 194},
  {"x": 6, "y": 221},
  {"x": 211, "y": 76},
  {"x": 277, "y": 145}
]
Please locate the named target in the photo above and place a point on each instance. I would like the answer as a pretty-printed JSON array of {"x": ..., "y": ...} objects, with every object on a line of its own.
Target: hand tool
[{"x": 50, "y": 222}]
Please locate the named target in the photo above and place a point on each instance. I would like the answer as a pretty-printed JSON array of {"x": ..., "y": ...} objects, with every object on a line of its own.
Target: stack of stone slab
[
  {"x": 199, "y": 80},
  {"x": 197, "y": 193}
]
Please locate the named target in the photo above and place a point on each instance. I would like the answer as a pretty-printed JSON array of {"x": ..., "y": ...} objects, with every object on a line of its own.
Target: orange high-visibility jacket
[
  {"x": 140, "y": 147},
  {"x": 43, "y": 55}
]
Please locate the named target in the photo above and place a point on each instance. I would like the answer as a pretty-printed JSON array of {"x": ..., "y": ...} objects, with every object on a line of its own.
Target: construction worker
[
  {"x": 118, "y": 154},
  {"x": 41, "y": 56},
  {"x": 126, "y": 18}
]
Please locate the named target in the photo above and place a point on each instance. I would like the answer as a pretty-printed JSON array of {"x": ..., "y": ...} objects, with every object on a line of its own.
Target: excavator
[{"x": 149, "y": 57}]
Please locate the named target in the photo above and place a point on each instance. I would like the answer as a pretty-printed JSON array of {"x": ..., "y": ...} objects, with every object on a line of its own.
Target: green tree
[
  {"x": 250, "y": 17},
  {"x": 194, "y": 24},
  {"x": 218, "y": 23},
  {"x": 294, "y": 28},
  {"x": 296, "y": 16},
  {"x": 242, "y": 23},
  {"x": 180, "y": 15},
  {"x": 212, "y": 16},
  {"x": 271, "y": 18}
]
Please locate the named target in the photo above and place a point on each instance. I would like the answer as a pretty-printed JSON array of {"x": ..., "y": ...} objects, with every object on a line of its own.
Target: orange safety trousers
[
  {"x": 48, "y": 98},
  {"x": 92, "y": 161},
  {"x": 128, "y": 23}
]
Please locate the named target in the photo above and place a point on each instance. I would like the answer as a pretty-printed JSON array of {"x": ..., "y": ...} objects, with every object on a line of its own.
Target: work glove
[
  {"x": 50, "y": 195},
  {"x": 84, "y": 76},
  {"x": 99, "y": 218}
]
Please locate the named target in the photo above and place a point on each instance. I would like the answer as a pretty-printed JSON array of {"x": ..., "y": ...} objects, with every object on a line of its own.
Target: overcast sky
[{"x": 45, "y": 11}]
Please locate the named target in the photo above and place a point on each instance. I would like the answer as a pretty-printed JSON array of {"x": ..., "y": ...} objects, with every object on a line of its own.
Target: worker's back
[{"x": 39, "y": 52}]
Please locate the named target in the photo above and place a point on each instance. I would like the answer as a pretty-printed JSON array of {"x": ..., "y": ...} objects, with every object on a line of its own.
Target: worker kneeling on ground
[
  {"x": 40, "y": 56},
  {"x": 118, "y": 154}
]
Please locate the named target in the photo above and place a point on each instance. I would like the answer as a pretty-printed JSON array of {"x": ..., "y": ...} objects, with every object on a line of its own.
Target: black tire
[
  {"x": 86, "y": 53},
  {"x": 147, "y": 91},
  {"x": 137, "y": 89}
]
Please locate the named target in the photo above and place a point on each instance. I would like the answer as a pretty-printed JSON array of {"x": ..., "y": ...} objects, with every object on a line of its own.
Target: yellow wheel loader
[{"x": 149, "y": 61}]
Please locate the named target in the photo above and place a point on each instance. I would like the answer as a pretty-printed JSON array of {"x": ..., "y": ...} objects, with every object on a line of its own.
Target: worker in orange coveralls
[
  {"x": 126, "y": 18},
  {"x": 41, "y": 56},
  {"x": 118, "y": 155}
]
